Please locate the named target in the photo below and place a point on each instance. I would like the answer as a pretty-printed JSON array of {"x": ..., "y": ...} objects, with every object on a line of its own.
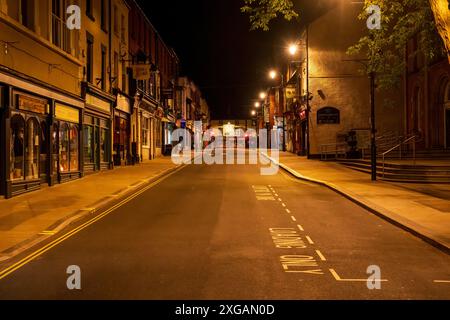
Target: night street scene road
[{"x": 231, "y": 158}]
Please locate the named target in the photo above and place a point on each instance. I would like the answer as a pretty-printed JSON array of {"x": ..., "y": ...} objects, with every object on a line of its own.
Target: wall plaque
[{"x": 328, "y": 115}]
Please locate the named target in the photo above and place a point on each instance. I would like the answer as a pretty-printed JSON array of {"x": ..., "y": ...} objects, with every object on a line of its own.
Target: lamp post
[
  {"x": 273, "y": 75},
  {"x": 373, "y": 128}
]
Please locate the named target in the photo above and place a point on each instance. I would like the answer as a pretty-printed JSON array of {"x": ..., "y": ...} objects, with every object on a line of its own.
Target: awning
[{"x": 164, "y": 119}]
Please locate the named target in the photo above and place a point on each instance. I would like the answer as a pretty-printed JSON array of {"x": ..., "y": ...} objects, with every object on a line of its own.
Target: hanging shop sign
[
  {"x": 290, "y": 93},
  {"x": 32, "y": 104},
  {"x": 66, "y": 113},
  {"x": 141, "y": 71},
  {"x": 328, "y": 115}
]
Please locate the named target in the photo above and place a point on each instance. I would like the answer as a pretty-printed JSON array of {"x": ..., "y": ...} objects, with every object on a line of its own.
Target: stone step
[{"x": 425, "y": 174}]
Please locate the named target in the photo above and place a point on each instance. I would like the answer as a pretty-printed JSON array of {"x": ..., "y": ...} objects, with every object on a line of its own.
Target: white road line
[
  {"x": 283, "y": 205},
  {"x": 288, "y": 211},
  {"x": 321, "y": 256},
  {"x": 300, "y": 227},
  {"x": 309, "y": 240},
  {"x": 276, "y": 195},
  {"x": 279, "y": 199},
  {"x": 293, "y": 218},
  {"x": 441, "y": 281}
]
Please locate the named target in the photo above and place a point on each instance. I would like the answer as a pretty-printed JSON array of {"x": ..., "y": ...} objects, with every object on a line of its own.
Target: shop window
[
  {"x": 104, "y": 145},
  {"x": 73, "y": 151},
  {"x": 145, "y": 132},
  {"x": 158, "y": 133},
  {"x": 55, "y": 144},
  {"x": 104, "y": 141},
  {"x": 32, "y": 149},
  {"x": 64, "y": 149},
  {"x": 17, "y": 148},
  {"x": 43, "y": 147},
  {"x": 88, "y": 132}
]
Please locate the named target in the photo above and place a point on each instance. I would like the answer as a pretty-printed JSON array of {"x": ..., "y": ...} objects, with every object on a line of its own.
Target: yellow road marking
[
  {"x": 300, "y": 227},
  {"x": 441, "y": 281},
  {"x": 293, "y": 218},
  {"x": 338, "y": 278},
  {"x": 321, "y": 256},
  {"x": 279, "y": 199},
  {"x": 283, "y": 205},
  {"x": 309, "y": 240},
  {"x": 288, "y": 211},
  {"x": 4, "y": 273}
]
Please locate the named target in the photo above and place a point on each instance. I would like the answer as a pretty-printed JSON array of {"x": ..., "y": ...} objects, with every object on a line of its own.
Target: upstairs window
[
  {"x": 61, "y": 36},
  {"x": 89, "y": 9},
  {"x": 116, "y": 20},
  {"x": 104, "y": 15}
]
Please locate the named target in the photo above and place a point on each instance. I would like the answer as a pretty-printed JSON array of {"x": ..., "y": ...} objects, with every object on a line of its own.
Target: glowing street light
[
  {"x": 272, "y": 74},
  {"x": 293, "y": 49},
  {"x": 257, "y": 104},
  {"x": 253, "y": 113},
  {"x": 262, "y": 95}
]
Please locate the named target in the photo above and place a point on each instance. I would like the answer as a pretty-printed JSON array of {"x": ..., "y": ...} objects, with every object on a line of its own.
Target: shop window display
[
  {"x": 17, "y": 166},
  {"x": 64, "y": 148},
  {"x": 32, "y": 151}
]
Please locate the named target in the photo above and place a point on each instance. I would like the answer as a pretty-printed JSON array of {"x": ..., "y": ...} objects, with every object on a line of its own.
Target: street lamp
[
  {"x": 293, "y": 49},
  {"x": 257, "y": 104},
  {"x": 253, "y": 113},
  {"x": 262, "y": 95},
  {"x": 272, "y": 74}
]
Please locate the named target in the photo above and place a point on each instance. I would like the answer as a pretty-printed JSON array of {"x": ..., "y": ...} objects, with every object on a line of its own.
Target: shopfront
[
  {"x": 146, "y": 136},
  {"x": 27, "y": 143},
  {"x": 97, "y": 135},
  {"x": 66, "y": 143},
  {"x": 147, "y": 109},
  {"x": 122, "y": 130}
]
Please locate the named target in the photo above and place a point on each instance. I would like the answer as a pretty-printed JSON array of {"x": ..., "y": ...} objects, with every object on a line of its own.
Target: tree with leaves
[
  {"x": 401, "y": 20},
  {"x": 262, "y": 12}
]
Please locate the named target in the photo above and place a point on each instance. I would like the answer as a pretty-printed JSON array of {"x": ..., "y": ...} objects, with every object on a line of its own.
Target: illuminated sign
[
  {"x": 67, "y": 113},
  {"x": 27, "y": 103}
]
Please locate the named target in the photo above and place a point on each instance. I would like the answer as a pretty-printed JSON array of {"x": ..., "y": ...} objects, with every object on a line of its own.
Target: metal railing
[
  {"x": 411, "y": 140},
  {"x": 383, "y": 142},
  {"x": 335, "y": 149}
]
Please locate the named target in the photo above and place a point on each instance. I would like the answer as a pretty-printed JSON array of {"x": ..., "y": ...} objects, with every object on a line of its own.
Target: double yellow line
[{"x": 4, "y": 273}]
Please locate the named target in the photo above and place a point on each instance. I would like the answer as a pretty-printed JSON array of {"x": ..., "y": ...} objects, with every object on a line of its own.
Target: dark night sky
[{"x": 216, "y": 49}]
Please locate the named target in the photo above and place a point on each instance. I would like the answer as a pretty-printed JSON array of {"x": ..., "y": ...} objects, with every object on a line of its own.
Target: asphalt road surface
[{"x": 226, "y": 232}]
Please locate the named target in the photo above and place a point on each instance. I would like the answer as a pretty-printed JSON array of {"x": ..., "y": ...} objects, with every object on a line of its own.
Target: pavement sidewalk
[
  {"x": 423, "y": 210},
  {"x": 25, "y": 218}
]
